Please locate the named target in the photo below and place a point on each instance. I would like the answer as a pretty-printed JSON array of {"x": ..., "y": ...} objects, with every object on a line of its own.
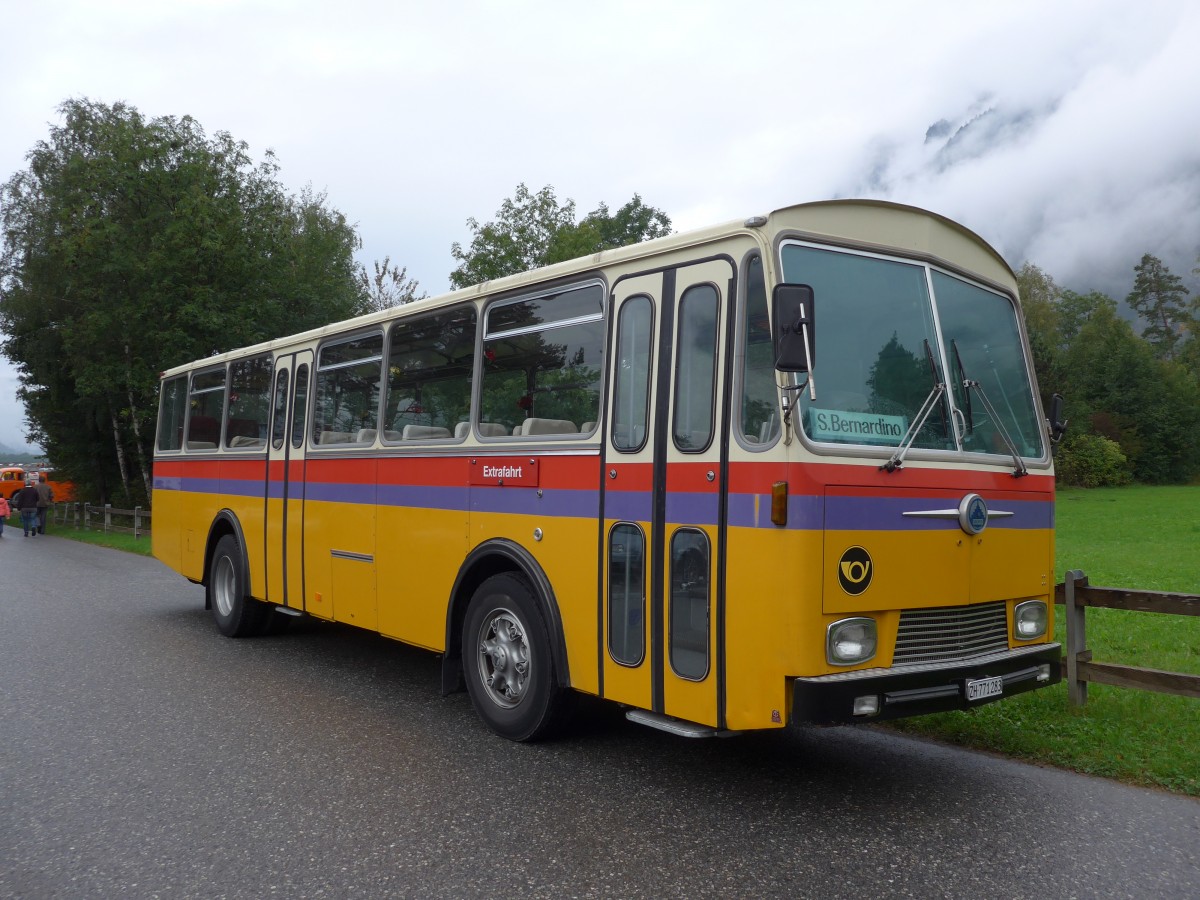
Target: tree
[
  {"x": 133, "y": 245},
  {"x": 534, "y": 230},
  {"x": 1039, "y": 300},
  {"x": 388, "y": 287},
  {"x": 1121, "y": 391},
  {"x": 598, "y": 230},
  {"x": 1158, "y": 297}
]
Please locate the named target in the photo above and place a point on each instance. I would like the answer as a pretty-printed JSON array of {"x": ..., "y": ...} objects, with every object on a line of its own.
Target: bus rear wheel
[
  {"x": 236, "y": 613},
  {"x": 506, "y": 656}
]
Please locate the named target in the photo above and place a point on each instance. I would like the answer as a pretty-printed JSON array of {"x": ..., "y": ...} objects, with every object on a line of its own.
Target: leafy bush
[{"x": 1089, "y": 460}]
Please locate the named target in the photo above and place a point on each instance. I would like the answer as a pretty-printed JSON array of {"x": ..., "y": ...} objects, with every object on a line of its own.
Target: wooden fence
[
  {"x": 1076, "y": 594},
  {"x": 106, "y": 518}
]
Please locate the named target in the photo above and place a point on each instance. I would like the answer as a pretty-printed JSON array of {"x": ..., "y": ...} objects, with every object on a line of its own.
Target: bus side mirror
[
  {"x": 792, "y": 318},
  {"x": 1058, "y": 425}
]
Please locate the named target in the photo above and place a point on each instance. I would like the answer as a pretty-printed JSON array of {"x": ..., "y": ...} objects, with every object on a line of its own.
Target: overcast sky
[{"x": 1065, "y": 133}]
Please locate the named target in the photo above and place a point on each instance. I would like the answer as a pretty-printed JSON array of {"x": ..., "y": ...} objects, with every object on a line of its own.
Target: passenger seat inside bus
[
  {"x": 486, "y": 429},
  {"x": 546, "y": 426},
  {"x": 424, "y": 432},
  {"x": 203, "y": 433}
]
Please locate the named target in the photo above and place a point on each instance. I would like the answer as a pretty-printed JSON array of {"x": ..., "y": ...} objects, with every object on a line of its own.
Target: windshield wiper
[
  {"x": 937, "y": 394},
  {"x": 962, "y": 374},
  {"x": 968, "y": 386}
]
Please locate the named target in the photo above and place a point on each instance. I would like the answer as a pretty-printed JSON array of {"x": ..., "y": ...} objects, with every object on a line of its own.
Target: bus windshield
[{"x": 888, "y": 333}]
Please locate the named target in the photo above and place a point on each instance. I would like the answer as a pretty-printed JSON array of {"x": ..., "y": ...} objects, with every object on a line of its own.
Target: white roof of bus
[{"x": 875, "y": 224}]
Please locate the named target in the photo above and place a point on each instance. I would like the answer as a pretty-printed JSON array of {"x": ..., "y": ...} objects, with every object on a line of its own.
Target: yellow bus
[{"x": 792, "y": 469}]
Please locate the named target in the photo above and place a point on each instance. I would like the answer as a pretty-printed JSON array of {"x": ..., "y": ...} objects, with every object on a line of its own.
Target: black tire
[
  {"x": 237, "y": 614},
  {"x": 507, "y": 661}
]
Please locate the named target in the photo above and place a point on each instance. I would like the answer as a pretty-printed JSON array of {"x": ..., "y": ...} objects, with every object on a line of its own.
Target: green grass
[
  {"x": 1134, "y": 537},
  {"x": 113, "y": 539}
]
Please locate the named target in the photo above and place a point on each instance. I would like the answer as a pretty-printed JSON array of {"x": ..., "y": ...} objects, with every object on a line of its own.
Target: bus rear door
[{"x": 284, "y": 533}]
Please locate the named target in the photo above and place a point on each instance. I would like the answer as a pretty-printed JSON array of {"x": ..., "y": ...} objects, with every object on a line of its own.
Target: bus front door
[
  {"x": 284, "y": 533},
  {"x": 663, "y": 492}
]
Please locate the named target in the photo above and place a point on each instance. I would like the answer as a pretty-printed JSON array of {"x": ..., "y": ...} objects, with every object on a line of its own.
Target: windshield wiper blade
[
  {"x": 937, "y": 394},
  {"x": 962, "y": 374},
  {"x": 968, "y": 386}
]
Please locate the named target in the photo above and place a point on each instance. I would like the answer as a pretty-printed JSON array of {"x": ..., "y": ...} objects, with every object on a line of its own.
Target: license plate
[{"x": 985, "y": 687}]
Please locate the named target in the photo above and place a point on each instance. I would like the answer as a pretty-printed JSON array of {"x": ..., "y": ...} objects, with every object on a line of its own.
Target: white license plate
[{"x": 985, "y": 687}]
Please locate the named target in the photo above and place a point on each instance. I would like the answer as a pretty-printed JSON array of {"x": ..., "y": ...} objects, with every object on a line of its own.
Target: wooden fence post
[
  {"x": 107, "y": 517},
  {"x": 137, "y": 522},
  {"x": 1076, "y": 638}
]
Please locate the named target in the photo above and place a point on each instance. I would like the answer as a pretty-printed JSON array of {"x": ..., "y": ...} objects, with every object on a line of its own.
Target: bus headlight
[
  {"x": 850, "y": 641},
  {"x": 1029, "y": 620}
]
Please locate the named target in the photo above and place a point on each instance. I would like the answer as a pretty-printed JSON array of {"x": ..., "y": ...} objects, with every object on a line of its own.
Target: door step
[
  {"x": 288, "y": 610},
  {"x": 675, "y": 726}
]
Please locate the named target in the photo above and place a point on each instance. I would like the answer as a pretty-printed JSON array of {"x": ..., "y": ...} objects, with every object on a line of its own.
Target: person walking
[
  {"x": 45, "y": 501},
  {"x": 5, "y": 512},
  {"x": 26, "y": 500}
]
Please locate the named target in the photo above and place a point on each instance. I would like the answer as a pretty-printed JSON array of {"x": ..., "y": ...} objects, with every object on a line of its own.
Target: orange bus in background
[
  {"x": 13, "y": 478},
  {"x": 654, "y": 475}
]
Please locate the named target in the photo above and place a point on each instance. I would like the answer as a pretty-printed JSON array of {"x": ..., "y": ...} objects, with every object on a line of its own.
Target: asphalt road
[{"x": 144, "y": 755}]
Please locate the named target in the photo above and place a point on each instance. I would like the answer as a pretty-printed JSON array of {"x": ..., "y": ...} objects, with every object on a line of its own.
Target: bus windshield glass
[{"x": 881, "y": 357}]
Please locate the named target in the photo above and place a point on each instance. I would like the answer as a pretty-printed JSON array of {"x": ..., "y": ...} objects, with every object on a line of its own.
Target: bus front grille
[{"x": 950, "y": 632}]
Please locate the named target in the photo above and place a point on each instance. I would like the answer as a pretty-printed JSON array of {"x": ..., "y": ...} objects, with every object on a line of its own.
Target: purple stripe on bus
[
  {"x": 235, "y": 488},
  {"x": 200, "y": 485},
  {"x": 419, "y": 496},
  {"x": 804, "y": 511},
  {"x": 342, "y": 492},
  {"x": 295, "y": 490},
  {"x": 627, "y": 506},
  {"x": 887, "y": 514},
  {"x": 693, "y": 509}
]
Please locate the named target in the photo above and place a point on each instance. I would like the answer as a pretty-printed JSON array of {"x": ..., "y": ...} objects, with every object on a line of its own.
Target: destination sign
[{"x": 858, "y": 427}]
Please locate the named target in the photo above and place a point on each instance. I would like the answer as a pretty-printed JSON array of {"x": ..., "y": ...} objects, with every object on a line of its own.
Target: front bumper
[{"x": 917, "y": 690}]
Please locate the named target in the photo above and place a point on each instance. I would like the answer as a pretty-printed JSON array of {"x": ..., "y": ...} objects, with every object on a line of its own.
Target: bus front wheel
[
  {"x": 237, "y": 614},
  {"x": 506, "y": 656}
]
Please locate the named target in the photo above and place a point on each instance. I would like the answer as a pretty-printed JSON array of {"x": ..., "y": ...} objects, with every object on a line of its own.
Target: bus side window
[
  {"x": 758, "y": 395},
  {"x": 631, "y": 395},
  {"x": 206, "y": 402},
  {"x": 695, "y": 368},
  {"x": 430, "y": 363},
  {"x": 627, "y": 594},
  {"x": 249, "y": 404},
  {"x": 349, "y": 373},
  {"x": 689, "y": 601},
  {"x": 279, "y": 420},
  {"x": 170, "y": 416},
  {"x": 299, "y": 405},
  {"x": 542, "y": 360}
]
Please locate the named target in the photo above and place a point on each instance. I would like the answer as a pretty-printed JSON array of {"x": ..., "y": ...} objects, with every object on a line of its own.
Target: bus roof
[{"x": 866, "y": 224}]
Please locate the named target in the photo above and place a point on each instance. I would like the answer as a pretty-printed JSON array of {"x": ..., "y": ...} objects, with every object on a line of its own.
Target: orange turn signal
[{"x": 779, "y": 502}]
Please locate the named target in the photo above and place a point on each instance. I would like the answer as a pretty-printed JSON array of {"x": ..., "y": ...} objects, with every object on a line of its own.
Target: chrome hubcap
[
  {"x": 504, "y": 658},
  {"x": 224, "y": 585}
]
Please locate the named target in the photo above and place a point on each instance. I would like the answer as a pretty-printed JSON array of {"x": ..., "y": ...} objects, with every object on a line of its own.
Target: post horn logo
[{"x": 854, "y": 571}]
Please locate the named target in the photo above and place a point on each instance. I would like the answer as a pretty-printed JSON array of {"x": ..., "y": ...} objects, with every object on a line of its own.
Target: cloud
[
  {"x": 1064, "y": 133},
  {"x": 1081, "y": 174}
]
